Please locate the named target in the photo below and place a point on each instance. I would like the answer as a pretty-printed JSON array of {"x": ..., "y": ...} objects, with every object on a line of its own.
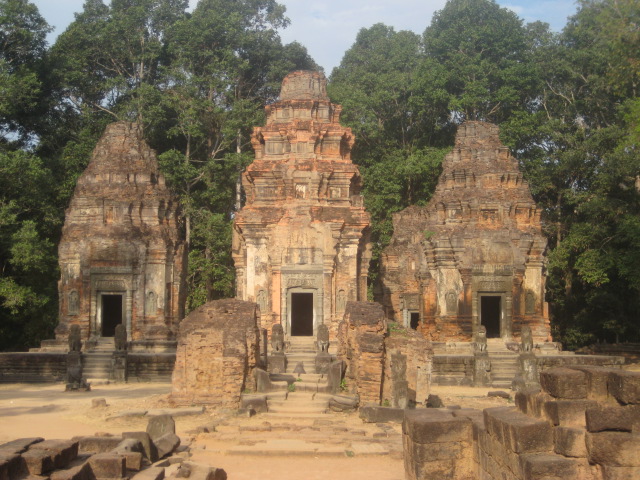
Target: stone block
[
  {"x": 568, "y": 413},
  {"x": 322, "y": 362},
  {"x": 531, "y": 401},
  {"x": 38, "y": 462},
  {"x": 617, "y": 418},
  {"x": 151, "y": 473},
  {"x": 428, "y": 426},
  {"x": 570, "y": 442},
  {"x": 518, "y": 432},
  {"x": 166, "y": 444},
  {"x": 620, "y": 473},
  {"x": 160, "y": 425},
  {"x": 11, "y": 466},
  {"x": 148, "y": 448},
  {"x": 79, "y": 472},
  {"x": 95, "y": 444},
  {"x": 256, "y": 402},
  {"x": 597, "y": 380},
  {"x": 199, "y": 471},
  {"x": 549, "y": 467},
  {"x": 619, "y": 449},
  {"x": 343, "y": 403},
  {"x": 564, "y": 383},
  {"x": 277, "y": 363},
  {"x": 377, "y": 414},
  {"x": 108, "y": 466},
  {"x": 62, "y": 452},
  {"x": 19, "y": 445},
  {"x": 624, "y": 386}
]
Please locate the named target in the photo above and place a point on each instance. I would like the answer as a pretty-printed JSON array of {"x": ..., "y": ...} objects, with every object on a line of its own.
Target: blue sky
[{"x": 329, "y": 27}]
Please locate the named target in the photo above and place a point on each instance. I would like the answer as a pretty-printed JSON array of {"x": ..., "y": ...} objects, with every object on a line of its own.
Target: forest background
[{"x": 567, "y": 104}]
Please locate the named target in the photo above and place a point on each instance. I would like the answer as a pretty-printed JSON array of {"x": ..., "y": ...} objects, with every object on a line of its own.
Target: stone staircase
[
  {"x": 304, "y": 397},
  {"x": 504, "y": 363},
  {"x": 97, "y": 361}
]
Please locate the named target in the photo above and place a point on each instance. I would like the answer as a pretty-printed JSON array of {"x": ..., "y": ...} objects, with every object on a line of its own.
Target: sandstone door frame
[
  {"x": 99, "y": 310},
  {"x": 505, "y": 312},
  {"x": 289, "y": 311}
]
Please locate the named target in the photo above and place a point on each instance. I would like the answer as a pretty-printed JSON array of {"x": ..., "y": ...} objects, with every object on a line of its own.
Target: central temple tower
[{"x": 301, "y": 243}]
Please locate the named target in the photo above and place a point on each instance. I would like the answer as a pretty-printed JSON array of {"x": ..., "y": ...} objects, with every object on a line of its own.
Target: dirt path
[{"x": 47, "y": 411}]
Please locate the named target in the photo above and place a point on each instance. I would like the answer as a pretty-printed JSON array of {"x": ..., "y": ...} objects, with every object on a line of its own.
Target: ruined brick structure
[
  {"x": 122, "y": 254},
  {"x": 582, "y": 425},
  {"x": 475, "y": 254},
  {"x": 218, "y": 350},
  {"x": 301, "y": 242}
]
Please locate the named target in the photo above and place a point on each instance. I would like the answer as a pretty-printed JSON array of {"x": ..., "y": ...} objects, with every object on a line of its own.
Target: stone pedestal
[
  {"x": 323, "y": 360},
  {"x": 528, "y": 369},
  {"x": 277, "y": 362},
  {"x": 481, "y": 369},
  {"x": 119, "y": 366},
  {"x": 75, "y": 381}
]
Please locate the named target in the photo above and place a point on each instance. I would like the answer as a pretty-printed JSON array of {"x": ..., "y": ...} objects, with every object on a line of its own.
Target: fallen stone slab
[
  {"x": 20, "y": 445},
  {"x": 148, "y": 448},
  {"x": 160, "y": 425},
  {"x": 342, "y": 403},
  {"x": 93, "y": 444},
  {"x": 128, "y": 413},
  {"x": 198, "y": 471},
  {"x": 175, "y": 412},
  {"x": 499, "y": 394},
  {"x": 256, "y": 402},
  {"x": 108, "y": 466},
  {"x": 62, "y": 452},
  {"x": 79, "y": 472},
  {"x": 151, "y": 473},
  {"x": 166, "y": 444},
  {"x": 377, "y": 414},
  {"x": 11, "y": 466}
]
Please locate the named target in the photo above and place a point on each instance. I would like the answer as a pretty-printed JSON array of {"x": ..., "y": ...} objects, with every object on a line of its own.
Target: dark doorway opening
[
  {"x": 490, "y": 313},
  {"x": 302, "y": 314},
  {"x": 111, "y": 314},
  {"x": 414, "y": 320}
]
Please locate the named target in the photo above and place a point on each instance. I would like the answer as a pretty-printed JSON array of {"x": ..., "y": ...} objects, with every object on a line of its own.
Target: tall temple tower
[
  {"x": 301, "y": 243},
  {"x": 122, "y": 254},
  {"x": 475, "y": 255}
]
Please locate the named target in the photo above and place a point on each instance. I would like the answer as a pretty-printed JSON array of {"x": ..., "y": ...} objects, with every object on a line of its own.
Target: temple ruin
[
  {"x": 474, "y": 256},
  {"x": 122, "y": 254},
  {"x": 301, "y": 242}
]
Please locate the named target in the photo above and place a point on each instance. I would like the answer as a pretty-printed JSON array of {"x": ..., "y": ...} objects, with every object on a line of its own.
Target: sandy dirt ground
[{"x": 47, "y": 411}]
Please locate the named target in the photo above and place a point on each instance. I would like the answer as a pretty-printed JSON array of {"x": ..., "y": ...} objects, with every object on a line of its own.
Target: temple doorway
[
  {"x": 111, "y": 312},
  {"x": 490, "y": 314},
  {"x": 302, "y": 314}
]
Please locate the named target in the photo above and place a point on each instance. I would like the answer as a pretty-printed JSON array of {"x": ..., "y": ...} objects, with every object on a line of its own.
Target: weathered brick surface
[
  {"x": 304, "y": 228},
  {"x": 121, "y": 236},
  {"x": 361, "y": 346},
  {"x": 480, "y": 233},
  {"x": 566, "y": 383},
  {"x": 218, "y": 349}
]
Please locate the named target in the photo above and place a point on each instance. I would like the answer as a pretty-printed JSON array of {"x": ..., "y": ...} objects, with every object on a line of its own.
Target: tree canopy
[{"x": 567, "y": 104}]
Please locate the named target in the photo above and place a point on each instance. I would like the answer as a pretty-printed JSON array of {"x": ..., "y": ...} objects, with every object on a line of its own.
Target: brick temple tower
[
  {"x": 475, "y": 255},
  {"x": 301, "y": 243},
  {"x": 121, "y": 254}
]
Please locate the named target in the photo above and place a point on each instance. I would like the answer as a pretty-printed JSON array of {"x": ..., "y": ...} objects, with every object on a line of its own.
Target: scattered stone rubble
[
  {"x": 151, "y": 455},
  {"x": 583, "y": 424}
]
